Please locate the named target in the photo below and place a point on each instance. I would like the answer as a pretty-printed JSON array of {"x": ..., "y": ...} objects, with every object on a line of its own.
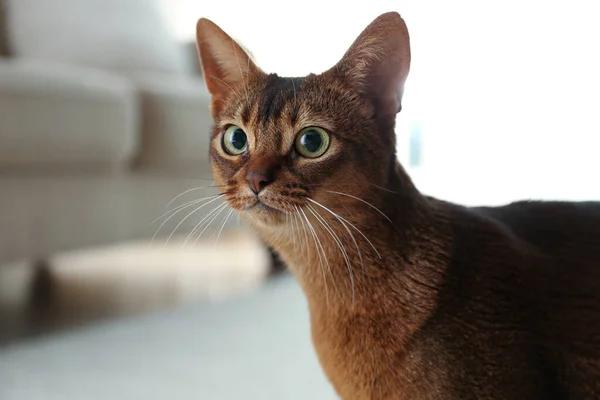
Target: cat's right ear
[{"x": 225, "y": 65}]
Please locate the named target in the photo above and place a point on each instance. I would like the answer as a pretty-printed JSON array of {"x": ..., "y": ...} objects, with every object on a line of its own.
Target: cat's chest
[{"x": 366, "y": 357}]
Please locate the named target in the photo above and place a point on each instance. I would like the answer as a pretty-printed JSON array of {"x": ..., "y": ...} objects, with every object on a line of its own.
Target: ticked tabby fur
[{"x": 410, "y": 297}]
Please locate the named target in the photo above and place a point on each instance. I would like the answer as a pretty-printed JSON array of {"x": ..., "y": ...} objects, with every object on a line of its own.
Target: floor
[{"x": 254, "y": 347}]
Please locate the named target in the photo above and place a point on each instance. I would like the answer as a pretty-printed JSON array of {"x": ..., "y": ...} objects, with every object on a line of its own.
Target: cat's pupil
[
  {"x": 311, "y": 141},
  {"x": 238, "y": 139}
]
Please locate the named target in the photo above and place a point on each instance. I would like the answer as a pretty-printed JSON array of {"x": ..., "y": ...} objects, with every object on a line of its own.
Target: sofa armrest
[
  {"x": 59, "y": 114},
  {"x": 175, "y": 123}
]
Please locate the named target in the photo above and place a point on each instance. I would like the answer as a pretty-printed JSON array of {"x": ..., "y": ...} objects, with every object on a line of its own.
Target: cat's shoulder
[
  {"x": 543, "y": 212},
  {"x": 557, "y": 227},
  {"x": 547, "y": 225},
  {"x": 525, "y": 212}
]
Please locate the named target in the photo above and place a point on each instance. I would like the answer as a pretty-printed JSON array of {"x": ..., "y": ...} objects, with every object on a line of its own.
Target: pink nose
[{"x": 258, "y": 180}]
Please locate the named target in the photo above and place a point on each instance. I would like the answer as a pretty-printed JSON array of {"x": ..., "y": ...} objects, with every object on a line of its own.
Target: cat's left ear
[
  {"x": 226, "y": 67},
  {"x": 378, "y": 62}
]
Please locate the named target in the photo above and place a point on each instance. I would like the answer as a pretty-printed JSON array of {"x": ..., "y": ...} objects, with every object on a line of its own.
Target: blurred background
[{"x": 120, "y": 277}]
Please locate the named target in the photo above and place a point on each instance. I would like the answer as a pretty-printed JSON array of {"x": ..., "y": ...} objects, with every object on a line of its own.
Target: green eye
[
  {"x": 312, "y": 142},
  {"x": 235, "y": 140}
]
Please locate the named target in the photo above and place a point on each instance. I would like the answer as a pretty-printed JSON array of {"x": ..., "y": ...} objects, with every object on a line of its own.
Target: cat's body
[
  {"x": 543, "y": 279},
  {"x": 410, "y": 297},
  {"x": 488, "y": 304}
]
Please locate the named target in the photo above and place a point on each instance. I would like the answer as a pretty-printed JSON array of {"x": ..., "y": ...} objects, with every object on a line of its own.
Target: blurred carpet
[{"x": 256, "y": 346}]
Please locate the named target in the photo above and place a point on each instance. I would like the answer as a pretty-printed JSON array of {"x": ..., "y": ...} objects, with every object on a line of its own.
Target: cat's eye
[
  {"x": 312, "y": 142},
  {"x": 235, "y": 141}
]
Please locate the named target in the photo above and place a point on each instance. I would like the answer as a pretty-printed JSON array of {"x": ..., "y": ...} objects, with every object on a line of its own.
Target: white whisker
[
  {"x": 184, "y": 205},
  {"x": 223, "y": 226},
  {"x": 342, "y": 219},
  {"x": 304, "y": 230},
  {"x": 291, "y": 226},
  {"x": 339, "y": 244},
  {"x": 296, "y": 233},
  {"x": 382, "y": 188},
  {"x": 200, "y": 223},
  {"x": 320, "y": 247},
  {"x": 345, "y": 227},
  {"x": 183, "y": 193},
  {"x": 186, "y": 217},
  {"x": 365, "y": 202},
  {"x": 297, "y": 227},
  {"x": 209, "y": 223}
]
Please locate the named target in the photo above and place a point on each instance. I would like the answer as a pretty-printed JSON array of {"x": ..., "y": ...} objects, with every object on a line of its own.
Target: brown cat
[{"x": 410, "y": 297}]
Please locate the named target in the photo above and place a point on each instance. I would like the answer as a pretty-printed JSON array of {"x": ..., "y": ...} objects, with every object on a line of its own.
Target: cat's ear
[
  {"x": 378, "y": 62},
  {"x": 225, "y": 65}
]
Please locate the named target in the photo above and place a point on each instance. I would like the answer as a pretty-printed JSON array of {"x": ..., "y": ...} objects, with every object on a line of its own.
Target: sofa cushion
[
  {"x": 175, "y": 121},
  {"x": 124, "y": 35},
  {"x": 63, "y": 115}
]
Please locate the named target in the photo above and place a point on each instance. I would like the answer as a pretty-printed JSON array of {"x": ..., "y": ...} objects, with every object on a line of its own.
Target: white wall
[{"x": 508, "y": 92}]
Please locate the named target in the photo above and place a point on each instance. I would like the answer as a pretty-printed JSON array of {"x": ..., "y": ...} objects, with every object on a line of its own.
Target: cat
[{"x": 410, "y": 297}]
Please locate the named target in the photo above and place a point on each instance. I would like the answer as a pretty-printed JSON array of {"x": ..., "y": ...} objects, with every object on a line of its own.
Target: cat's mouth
[
  {"x": 267, "y": 213},
  {"x": 261, "y": 206},
  {"x": 266, "y": 206},
  {"x": 271, "y": 206}
]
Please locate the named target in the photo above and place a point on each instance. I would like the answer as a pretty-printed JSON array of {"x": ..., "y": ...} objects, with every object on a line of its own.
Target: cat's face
[
  {"x": 283, "y": 141},
  {"x": 295, "y": 145}
]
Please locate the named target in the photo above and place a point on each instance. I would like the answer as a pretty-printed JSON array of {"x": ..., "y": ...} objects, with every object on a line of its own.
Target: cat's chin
[{"x": 265, "y": 214}]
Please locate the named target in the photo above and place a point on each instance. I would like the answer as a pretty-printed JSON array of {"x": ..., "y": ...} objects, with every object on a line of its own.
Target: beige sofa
[{"x": 103, "y": 120}]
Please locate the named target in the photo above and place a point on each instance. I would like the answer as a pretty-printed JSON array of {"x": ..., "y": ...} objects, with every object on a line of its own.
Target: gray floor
[{"x": 254, "y": 347}]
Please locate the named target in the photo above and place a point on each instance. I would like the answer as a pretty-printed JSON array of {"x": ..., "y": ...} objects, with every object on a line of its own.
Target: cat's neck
[{"x": 349, "y": 261}]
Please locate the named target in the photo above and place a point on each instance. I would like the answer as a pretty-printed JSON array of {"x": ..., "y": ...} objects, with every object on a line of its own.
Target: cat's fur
[{"x": 434, "y": 300}]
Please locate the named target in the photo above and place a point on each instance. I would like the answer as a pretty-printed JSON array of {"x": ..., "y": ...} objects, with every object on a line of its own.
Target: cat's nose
[
  {"x": 258, "y": 180},
  {"x": 261, "y": 172}
]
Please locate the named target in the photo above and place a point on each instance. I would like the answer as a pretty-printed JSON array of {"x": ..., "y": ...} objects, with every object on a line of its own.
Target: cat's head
[{"x": 281, "y": 144}]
